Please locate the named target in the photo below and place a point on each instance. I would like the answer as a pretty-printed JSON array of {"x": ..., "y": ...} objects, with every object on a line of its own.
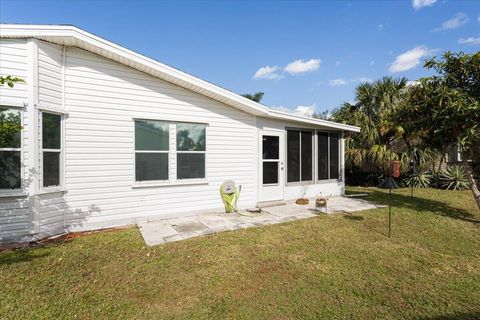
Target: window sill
[
  {"x": 12, "y": 193},
  {"x": 309, "y": 183},
  {"x": 136, "y": 185},
  {"x": 52, "y": 190}
]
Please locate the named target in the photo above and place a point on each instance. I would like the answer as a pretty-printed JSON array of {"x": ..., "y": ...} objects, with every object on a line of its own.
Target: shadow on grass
[
  {"x": 455, "y": 316},
  {"x": 415, "y": 203},
  {"x": 352, "y": 217},
  {"x": 20, "y": 255}
]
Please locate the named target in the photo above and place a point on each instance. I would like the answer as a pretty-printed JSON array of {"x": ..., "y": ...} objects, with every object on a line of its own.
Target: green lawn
[{"x": 329, "y": 267}]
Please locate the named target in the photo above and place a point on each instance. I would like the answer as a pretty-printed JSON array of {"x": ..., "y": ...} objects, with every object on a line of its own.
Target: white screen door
[{"x": 271, "y": 166}]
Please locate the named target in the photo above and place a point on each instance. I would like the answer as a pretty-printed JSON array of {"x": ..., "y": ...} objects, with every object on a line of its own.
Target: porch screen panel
[
  {"x": 323, "y": 150},
  {"x": 306, "y": 156},
  {"x": 293, "y": 156},
  {"x": 334, "y": 167}
]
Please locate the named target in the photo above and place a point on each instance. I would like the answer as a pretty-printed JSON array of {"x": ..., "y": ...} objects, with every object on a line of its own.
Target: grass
[{"x": 330, "y": 267}]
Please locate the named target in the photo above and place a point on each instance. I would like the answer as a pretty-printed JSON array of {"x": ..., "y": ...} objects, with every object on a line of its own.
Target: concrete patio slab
[{"x": 176, "y": 229}]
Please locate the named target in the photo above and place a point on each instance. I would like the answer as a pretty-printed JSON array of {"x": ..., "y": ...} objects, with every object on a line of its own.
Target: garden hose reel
[{"x": 230, "y": 194}]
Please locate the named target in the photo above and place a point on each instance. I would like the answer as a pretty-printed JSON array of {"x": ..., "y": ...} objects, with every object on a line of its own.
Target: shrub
[
  {"x": 420, "y": 179},
  {"x": 452, "y": 178},
  {"x": 363, "y": 179}
]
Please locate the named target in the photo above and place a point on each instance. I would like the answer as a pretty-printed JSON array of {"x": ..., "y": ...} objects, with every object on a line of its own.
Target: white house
[{"x": 110, "y": 137}]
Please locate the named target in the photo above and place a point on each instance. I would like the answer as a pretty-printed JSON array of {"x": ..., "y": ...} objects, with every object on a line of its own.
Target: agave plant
[
  {"x": 420, "y": 179},
  {"x": 453, "y": 178}
]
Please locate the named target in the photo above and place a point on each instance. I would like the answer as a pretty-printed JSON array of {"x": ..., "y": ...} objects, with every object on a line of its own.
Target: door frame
[{"x": 273, "y": 192}]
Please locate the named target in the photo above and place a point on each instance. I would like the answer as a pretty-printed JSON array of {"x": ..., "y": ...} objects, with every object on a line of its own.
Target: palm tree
[
  {"x": 380, "y": 139},
  {"x": 257, "y": 97}
]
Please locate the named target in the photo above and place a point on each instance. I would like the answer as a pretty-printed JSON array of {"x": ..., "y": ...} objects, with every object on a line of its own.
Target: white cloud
[
  {"x": 267, "y": 72},
  {"x": 455, "y": 22},
  {"x": 472, "y": 41},
  {"x": 412, "y": 83},
  {"x": 301, "y": 66},
  {"x": 409, "y": 59},
  {"x": 418, "y": 4},
  {"x": 337, "y": 82},
  {"x": 342, "y": 82},
  {"x": 362, "y": 79},
  {"x": 306, "y": 111}
]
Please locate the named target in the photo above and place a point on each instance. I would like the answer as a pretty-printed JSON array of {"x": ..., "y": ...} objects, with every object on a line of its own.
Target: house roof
[{"x": 68, "y": 35}]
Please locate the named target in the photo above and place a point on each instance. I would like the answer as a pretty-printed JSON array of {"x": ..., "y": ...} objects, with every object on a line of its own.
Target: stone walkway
[{"x": 175, "y": 229}]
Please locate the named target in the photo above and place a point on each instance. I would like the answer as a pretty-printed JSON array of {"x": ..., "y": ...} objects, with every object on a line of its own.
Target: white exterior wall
[
  {"x": 102, "y": 98},
  {"x": 49, "y": 206},
  {"x": 15, "y": 217}
]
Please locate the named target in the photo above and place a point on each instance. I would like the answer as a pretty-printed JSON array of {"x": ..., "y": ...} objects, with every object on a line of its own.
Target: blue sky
[{"x": 309, "y": 54}]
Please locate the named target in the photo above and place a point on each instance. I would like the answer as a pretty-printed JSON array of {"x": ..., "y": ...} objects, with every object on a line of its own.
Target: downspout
[
  {"x": 32, "y": 137},
  {"x": 64, "y": 57}
]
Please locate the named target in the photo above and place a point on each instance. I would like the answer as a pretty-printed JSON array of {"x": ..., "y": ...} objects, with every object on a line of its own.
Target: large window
[
  {"x": 190, "y": 151},
  {"x": 51, "y": 148},
  {"x": 299, "y": 156},
  {"x": 155, "y": 145},
  {"x": 10, "y": 149},
  {"x": 328, "y": 155}
]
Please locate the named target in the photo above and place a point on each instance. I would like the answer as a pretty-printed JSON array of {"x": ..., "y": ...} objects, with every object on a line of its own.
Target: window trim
[
  {"x": 135, "y": 151},
  {"x": 61, "y": 186},
  {"x": 16, "y": 191},
  {"x": 193, "y": 152},
  {"x": 172, "y": 156},
  {"x": 300, "y": 182}
]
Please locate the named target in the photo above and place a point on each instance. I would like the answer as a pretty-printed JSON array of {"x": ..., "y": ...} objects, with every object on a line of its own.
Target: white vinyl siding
[
  {"x": 13, "y": 62},
  {"x": 103, "y": 97},
  {"x": 50, "y": 75},
  {"x": 15, "y": 219}
]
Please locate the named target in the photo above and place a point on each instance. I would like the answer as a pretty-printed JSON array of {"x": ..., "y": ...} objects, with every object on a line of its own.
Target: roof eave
[
  {"x": 312, "y": 121},
  {"x": 71, "y": 35}
]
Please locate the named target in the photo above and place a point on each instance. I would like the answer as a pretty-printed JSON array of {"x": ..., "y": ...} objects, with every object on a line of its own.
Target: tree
[
  {"x": 10, "y": 81},
  {"x": 257, "y": 97},
  {"x": 445, "y": 108},
  {"x": 378, "y": 140}
]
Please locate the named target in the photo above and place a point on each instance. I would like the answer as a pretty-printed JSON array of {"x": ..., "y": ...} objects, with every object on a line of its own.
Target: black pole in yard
[
  {"x": 390, "y": 215},
  {"x": 389, "y": 183}
]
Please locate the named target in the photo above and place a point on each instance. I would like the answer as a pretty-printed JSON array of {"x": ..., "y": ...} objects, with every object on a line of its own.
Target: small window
[
  {"x": 10, "y": 149},
  {"x": 191, "y": 147},
  {"x": 51, "y": 148},
  {"x": 151, "y": 150},
  {"x": 328, "y": 155}
]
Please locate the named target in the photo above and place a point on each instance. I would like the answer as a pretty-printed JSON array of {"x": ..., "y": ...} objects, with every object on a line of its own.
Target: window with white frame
[
  {"x": 151, "y": 150},
  {"x": 191, "y": 147},
  {"x": 10, "y": 149},
  {"x": 51, "y": 149},
  {"x": 156, "y": 140},
  {"x": 328, "y": 155}
]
